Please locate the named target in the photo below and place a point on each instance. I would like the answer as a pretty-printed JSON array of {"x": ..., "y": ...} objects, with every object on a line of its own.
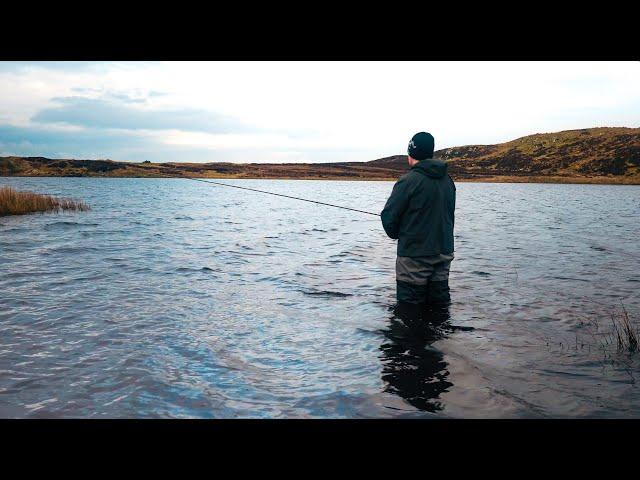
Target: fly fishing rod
[{"x": 278, "y": 195}]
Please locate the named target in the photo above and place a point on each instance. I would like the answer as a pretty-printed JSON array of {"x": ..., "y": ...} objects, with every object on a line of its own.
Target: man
[{"x": 420, "y": 215}]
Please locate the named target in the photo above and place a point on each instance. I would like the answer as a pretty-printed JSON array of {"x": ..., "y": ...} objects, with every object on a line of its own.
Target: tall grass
[
  {"x": 622, "y": 336},
  {"x": 617, "y": 341},
  {"x": 14, "y": 202},
  {"x": 625, "y": 335}
]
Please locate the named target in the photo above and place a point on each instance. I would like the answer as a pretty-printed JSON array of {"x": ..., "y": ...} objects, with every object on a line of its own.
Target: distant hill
[
  {"x": 592, "y": 155},
  {"x": 586, "y": 152}
]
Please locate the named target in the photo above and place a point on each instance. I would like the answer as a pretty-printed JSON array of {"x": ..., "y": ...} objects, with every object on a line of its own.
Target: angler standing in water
[{"x": 420, "y": 215}]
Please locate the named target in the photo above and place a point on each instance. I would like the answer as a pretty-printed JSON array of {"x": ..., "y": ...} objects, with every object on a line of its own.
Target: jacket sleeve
[{"x": 395, "y": 207}]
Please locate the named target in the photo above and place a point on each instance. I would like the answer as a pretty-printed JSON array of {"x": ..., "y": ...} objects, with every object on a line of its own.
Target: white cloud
[{"x": 339, "y": 110}]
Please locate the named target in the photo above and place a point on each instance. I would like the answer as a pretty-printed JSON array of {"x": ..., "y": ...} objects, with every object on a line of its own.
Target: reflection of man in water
[
  {"x": 420, "y": 215},
  {"x": 412, "y": 368}
]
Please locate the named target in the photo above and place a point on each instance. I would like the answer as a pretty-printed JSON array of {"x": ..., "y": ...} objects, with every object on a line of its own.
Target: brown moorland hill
[{"x": 591, "y": 155}]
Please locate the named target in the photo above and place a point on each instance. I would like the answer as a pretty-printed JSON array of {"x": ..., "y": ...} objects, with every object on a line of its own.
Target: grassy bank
[
  {"x": 630, "y": 180},
  {"x": 14, "y": 202},
  {"x": 602, "y": 180}
]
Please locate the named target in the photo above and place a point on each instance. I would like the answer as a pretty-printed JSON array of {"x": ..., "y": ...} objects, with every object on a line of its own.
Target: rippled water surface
[{"x": 174, "y": 298}]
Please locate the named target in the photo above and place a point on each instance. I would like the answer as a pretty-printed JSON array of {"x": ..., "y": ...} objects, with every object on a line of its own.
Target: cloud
[
  {"x": 139, "y": 96},
  {"x": 129, "y": 145},
  {"x": 61, "y": 143},
  {"x": 304, "y": 111},
  {"x": 64, "y": 66},
  {"x": 115, "y": 111}
]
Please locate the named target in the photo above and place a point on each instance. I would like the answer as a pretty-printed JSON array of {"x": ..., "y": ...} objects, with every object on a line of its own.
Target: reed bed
[
  {"x": 624, "y": 333},
  {"x": 15, "y": 202}
]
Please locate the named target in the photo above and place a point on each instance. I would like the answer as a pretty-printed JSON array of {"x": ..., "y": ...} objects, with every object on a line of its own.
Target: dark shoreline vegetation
[
  {"x": 15, "y": 202},
  {"x": 605, "y": 155},
  {"x": 616, "y": 342}
]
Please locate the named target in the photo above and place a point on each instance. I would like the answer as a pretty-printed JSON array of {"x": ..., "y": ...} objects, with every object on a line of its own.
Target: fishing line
[
  {"x": 567, "y": 234},
  {"x": 279, "y": 195}
]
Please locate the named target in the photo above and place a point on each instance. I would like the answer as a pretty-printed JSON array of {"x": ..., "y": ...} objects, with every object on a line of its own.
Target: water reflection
[
  {"x": 412, "y": 367},
  {"x": 174, "y": 298}
]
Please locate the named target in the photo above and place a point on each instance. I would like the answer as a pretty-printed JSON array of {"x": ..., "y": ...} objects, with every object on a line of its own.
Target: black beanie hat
[{"x": 421, "y": 146}]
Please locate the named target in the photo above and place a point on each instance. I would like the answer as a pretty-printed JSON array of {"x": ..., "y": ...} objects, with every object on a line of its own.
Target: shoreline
[{"x": 493, "y": 179}]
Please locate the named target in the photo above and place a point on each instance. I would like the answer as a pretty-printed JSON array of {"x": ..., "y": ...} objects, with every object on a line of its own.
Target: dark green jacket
[{"x": 420, "y": 210}]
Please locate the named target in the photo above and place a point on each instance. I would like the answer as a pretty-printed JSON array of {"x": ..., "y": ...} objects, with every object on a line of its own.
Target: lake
[{"x": 174, "y": 298}]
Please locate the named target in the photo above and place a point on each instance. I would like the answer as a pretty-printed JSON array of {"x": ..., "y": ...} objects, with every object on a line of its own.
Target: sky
[{"x": 298, "y": 111}]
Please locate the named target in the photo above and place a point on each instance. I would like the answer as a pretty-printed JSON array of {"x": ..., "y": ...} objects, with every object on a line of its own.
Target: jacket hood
[{"x": 431, "y": 167}]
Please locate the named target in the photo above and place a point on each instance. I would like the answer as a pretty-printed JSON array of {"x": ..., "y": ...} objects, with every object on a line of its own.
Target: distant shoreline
[
  {"x": 494, "y": 179},
  {"x": 601, "y": 155}
]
